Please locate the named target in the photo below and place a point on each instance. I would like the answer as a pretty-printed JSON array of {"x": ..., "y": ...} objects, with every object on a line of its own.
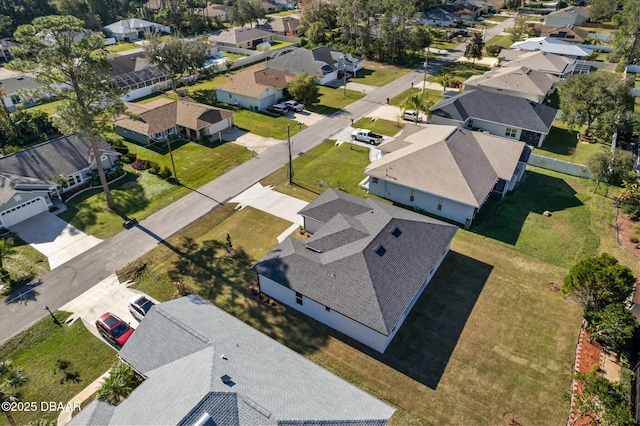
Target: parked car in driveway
[
  {"x": 280, "y": 109},
  {"x": 114, "y": 329},
  {"x": 294, "y": 106},
  {"x": 411, "y": 115},
  {"x": 139, "y": 306}
]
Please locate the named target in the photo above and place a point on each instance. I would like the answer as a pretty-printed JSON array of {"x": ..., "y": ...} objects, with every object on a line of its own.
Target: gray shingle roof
[
  {"x": 356, "y": 281},
  {"x": 537, "y": 60},
  {"x": 521, "y": 80},
  {"x": 13, "y": 84},
  {"x": 67, "y": 155},
  {"x": 450, "y": 162},
  {"x": 186, "y": 345},
  {"x": 498, "y": 108},
  {"x": 318, "y": 61}
]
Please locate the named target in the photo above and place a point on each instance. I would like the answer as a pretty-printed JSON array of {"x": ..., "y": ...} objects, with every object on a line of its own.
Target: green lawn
[
  {"x": 331, "y": 100},
  {"x": 460, "y": 71},
  {"x": 195, "y": 165},
  {"x": 434, "y": 96},
  {"x": 497, "y": 18},
  {"x": 233, "y": 56},
  {"x": 499, "y": 40},
  {"x": 491, "y": 333},
  {"x": 283, "y": 13},
  {"x": 24, "y": 266},
  {"x": 121, "y": 47},
  {"x": 36, "y": 351},
  {"x": 277, "y": 44},
  {"x": 50, "y": 107},
  {"x": 265, "y": 125},
  {"x": 378, "y": 76},
  {"x": 381, "y": 126},
  {"x": 562, "y": 143}
]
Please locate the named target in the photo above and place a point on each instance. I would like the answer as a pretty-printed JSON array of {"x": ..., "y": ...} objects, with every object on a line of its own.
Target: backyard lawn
[
  {"x": 121, "y": 47},
  {"x": 265, "y": 125},
  {"x": 36, "y": 351},
  {"x": 196, "y": 165},
  {"x": 562, "y": 143},
  {"x": 381, "y": 126},
  {"x": 50, "y": 107},
  {"x": 331, "y": 100},
  {"x": 373, "y": 75}
]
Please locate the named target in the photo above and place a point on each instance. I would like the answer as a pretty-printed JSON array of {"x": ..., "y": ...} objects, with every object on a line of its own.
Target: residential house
[
  {"x": 282, "y": 25},
  {"x": 515, "y": 81},
  {"x": 552, "y": 45},
  {"x": 439, "y": 17},
  {"x": 324, "y": 63},
  {"x": 164, "y": 118},
  {"x": 242, "y": 38},
  {"x": 447, "y": 171},
  {"x": 283, "y": 4},
  {"x": 496, "y": 113},
  {"x": 213, "y": 11},
  {"x": 136, "y": 76},
  {"x": 363, "y": 269},
  {"x": 482, "y": 5},
  {"x": 134, "y": 29},
  {"x": 12, "y": 97},
  {"x": 269, "y": 7},
  {"x": 5, "y": 45},
  {"x": 203, "y": 366},
  {"x": 254, "y": 89},
  {"x": 568, "y": 33},
  {"x": 464, "y": 11},
  {"x": 537, "y": 60},
  {"x": 26, "y": 177},
  {"x": 572, "y": 15}
]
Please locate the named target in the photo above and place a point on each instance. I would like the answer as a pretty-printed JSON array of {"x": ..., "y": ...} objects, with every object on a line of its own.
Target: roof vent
[
  {"x": 226, "y": 379},
  {"x": 20, "y": 78},
  {"x": 380, "y": 250},
  {"x": 203, "y": 420},
  {"x": 396, "y": 232}
]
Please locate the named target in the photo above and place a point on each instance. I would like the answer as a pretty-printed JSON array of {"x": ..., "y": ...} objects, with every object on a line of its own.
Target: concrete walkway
[
  {"x": 65, "y": 416},
  {"x": 54, "y": 238},
  {"x": 275, "y": 203}
]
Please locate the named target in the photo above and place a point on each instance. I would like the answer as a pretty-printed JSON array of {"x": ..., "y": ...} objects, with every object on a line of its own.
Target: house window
[
  {"x": 298, "y": 298},
  {"x": 171, "y": 131},
  {"x": 375, "y": 180},
  {"x": 412, "y": 196},
  {"x": 157, "y": 135},
  {"x": 440, "y": 201},
  {"x": 78, "y": 178},
  {"x": 230, "y": 95},
  {"x": 328, "y": 309},
  {"x": 470, "y": 123},
  {"x": 510, "y": 133}
]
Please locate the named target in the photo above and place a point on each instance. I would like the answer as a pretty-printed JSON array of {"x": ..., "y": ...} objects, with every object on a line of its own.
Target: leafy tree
[
  {"x": 5, "y": 26},
  {"x": 474, "y": 48},
  {"x": 6, "y": 251},
  {"x": 630, "y": 199},
  {"x": 69, "y": 62},
  {"x": 598, "y": 281},
  {"x": 304, "y": 86},
  {"x": 604, "y": 402},
  {"x": 420, "y": 37},
  {"x": 614, "y": 326},
  {"x": 626, "y": 43},
  {"x": 445, "y": 80},
  {"x": 176, "y": 57},
  {"x": 243, "y": 11},
  {"x": 315, "y": 33},
  {"x": 121, "y": 382},
  {"x": 602, "y": 10},
  {"x": 318, "y": 11},
  {"x": 11, "y": 380},
  {"x": 419, "y": 102},
  {"x": 615, "y": 121},
  {"x": 520, "y": 30},
  {"x": 613, "y": 167},
  {"x": 512, "y": 4},
  {"x": 585, "y": 97}
]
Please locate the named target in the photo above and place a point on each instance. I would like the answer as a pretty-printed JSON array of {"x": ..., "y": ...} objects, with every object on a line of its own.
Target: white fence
[
  {"x": 253, "y": 56},
  {"x": 559, "y": 166}
]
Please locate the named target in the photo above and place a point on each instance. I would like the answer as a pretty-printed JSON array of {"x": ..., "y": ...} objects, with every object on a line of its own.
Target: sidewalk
[{"x": 65, "y": 416}]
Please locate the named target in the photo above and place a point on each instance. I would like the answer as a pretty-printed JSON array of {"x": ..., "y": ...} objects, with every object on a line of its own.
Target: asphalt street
[{"x": 83, "y": 272}]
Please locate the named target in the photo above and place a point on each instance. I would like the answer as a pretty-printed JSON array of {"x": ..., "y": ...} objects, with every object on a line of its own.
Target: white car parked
[{"x": 295, "y": 106}]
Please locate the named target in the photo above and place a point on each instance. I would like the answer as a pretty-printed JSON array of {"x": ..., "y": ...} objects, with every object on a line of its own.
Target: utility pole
[
  {"x": 175, "y": 176},
  {"x": 290, "y": 162},
  {"x": 344, "y": 77},
  {"x": 426, "y": 62}
]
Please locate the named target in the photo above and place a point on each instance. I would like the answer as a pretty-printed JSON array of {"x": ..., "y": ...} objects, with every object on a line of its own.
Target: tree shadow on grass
[
  {"x": 561, "y": 141},
  {"x": 503, "y": 219}
]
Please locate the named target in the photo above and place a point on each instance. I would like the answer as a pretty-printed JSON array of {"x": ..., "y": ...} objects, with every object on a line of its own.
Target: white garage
[{"x": 23, "y": 211}]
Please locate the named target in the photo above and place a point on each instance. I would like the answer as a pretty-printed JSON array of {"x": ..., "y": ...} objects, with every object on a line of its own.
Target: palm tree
[
  {"x": 121, "y": 382},
  {"x": 420, "y": 103},
  {"x": 445, "y": 80},
  {"x": 11, "y": 379}
]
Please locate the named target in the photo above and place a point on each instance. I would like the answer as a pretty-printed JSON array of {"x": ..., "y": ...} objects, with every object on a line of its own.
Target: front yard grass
[
  {"x": 434, "y": 96},
  {"x": 36, "y": 351},
  {"x": 196, "y": 165},
  {"x": 27, "y": 264},
  {"x": 460, "y": 71},
  {"x": 499, "y": 40},
  {"x": 492, "y": 337},
  {"x": 332, "y": 100},
  {"x": 379, "y": 125},
  {"x": 264, "y": 125},
  {"x": 378, "y": 75}
]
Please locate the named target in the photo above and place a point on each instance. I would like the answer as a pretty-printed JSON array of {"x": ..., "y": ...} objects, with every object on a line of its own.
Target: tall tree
[
  {"x": 614, "y": 168},
  {"x": 11, "y": 380},
  {"x": 177, "y": 57},
  {"x": 584, "y": 97},
  {"x": 304, "y": 86},
  {"x": 626, "y": 43},
  {"x": 70, "y": 63},
  {"x": 614, "y": 326},
  {"x": 420, "y": 103},
  {"x": 602, "y": 402},
  {"x": 519, "y": 31},
  {"x": 598, "y": 281},
  {"x": 602, "y": 10},
  {"x": 474, "y": 48}
]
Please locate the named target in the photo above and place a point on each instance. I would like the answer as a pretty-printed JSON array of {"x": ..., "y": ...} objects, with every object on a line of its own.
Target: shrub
[
  {"x": 165, "y": 173},
  {"x": 121, "y": 149},
  {"x": 493, "y": 50},
  {"x": 634, "y": 240},
  {"x": 154, "y": 168},
  {"x": 631, "y": 206},
  {"x": 140, "y": 164},
  {"x": 128, "y": 158}
]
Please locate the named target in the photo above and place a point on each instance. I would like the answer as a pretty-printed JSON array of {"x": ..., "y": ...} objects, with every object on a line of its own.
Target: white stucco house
[
  {"x": 447, "y": 171},
  {"x": 253, "y": 89},
  {"x": 26, "y": 177},
  {"x": 552, "y": 45},
  {"x": 496, "y": 113},
  {"x": 363, "y": 269},
  {"x": 11, "y": 87},
  {"x": 134, "y": 29}
]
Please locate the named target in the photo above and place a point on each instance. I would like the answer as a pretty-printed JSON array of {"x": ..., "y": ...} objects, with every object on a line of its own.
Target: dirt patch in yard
[
  {"x": 624, "y": 226},
  {"x": 376, "y": 64}
]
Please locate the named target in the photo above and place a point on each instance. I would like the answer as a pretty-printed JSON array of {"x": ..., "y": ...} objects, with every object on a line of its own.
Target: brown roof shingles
[{"x": 253, "y": 83}]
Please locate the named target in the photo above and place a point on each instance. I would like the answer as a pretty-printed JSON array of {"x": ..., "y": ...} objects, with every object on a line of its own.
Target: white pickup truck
[{"x": 367, "y": 136}]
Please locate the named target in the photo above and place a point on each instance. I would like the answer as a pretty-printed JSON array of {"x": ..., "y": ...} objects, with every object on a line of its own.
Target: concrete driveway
[
  {"x": 255, "y": 143},
  {"x": 106, "y": 296},
  {"x": 305, "y": 117},
  {"x": 54, "y": 238}
]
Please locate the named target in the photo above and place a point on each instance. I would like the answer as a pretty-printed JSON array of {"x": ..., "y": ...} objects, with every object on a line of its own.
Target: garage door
[
  {"x": 23, "y": 211},
  {"x": 268, "y": 101}
]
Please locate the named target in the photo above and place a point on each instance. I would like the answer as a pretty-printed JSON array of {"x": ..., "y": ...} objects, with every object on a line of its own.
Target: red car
[{"x": 114, "y": 329}]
